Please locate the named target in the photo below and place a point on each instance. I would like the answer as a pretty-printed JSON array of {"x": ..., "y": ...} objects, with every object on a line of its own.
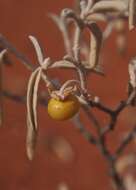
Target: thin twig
[
  {"x": 87, "y": 135},
  {"x": 126, "y": 141},
  {"x": 7, "y": 45}
]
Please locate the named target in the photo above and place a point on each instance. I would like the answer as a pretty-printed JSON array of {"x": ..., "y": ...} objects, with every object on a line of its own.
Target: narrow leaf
[
  {"x": 97, "y": 17},
  {"x": 108, "y": 6},
  {"x": 95, "y": 45},
  {"x": 132, "y": 14},
  {"x": 57, "y": 21},
  {"x": 132, "y": 72},
  {"x": 31, "y": 112},
  {"x": 132, "y": 82},
  {"x": 62, "y": 25},
  {"x": 2, "y": 53},
  {"x": 63, "y": 64},
  {"x": 38, "y": 49}
]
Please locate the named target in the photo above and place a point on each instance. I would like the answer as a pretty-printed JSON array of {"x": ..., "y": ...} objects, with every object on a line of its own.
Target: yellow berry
[{"x": 63, "y": 109}]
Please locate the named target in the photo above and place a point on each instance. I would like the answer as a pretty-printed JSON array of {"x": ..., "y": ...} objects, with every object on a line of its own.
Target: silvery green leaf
[
  {"x": 38, "y": 49},
  {"x": 132, "y": 81},
  {"x": 132, "y": 72},
  {"x": 108, "y": 6},
  {"x": 62, "y": 64},
  {"x": 132, "y": 14},
  {"x": 31, "y": 112},
  {"x": 95, "y": 45}
]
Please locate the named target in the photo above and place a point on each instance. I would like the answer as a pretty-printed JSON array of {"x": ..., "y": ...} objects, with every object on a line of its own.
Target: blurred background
[{"x": 63, "y": 160}]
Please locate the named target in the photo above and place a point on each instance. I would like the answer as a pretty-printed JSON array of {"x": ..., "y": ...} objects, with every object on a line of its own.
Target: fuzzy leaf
[
  {"x": 37, "y": 49},
  {"x": 132, "y": 14},
  {"x": 31, "y": 112},
  {"x": 132, "y": 81},
  {"x": 57, "y": 21},
  {"x": 97, "y": 17},
  {"x": 63, "y": 64},
  {"x": 2, "y": 53},
  {"x": 95, "y": 45},
  {"x": 108, "y": 6},
  {"x": 132, "y": 72}
]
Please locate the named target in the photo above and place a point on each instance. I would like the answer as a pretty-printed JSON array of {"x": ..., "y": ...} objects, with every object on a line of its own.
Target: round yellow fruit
[{"x": 63, "y": 109}]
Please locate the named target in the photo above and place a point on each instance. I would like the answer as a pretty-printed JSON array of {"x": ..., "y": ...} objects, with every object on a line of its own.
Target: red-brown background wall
[{"x": 88, "y": 169}]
